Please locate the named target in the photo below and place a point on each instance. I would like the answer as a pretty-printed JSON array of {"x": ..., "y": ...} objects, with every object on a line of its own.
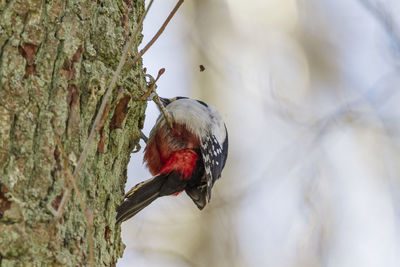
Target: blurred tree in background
[{"x": 309, "y": 91}]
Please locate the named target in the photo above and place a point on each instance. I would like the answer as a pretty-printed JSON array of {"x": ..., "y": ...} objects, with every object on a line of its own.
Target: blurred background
[{"x": 309, "y": 91}]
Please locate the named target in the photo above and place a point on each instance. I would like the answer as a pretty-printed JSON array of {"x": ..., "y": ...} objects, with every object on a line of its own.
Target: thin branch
[
  {"x": 151, "y": 85},
  {"x": 151, "y": 94},
  {"x": 159, "y": 32},
  {"x": 60, "y": 211},
  {"x": 165, "y": 112}
]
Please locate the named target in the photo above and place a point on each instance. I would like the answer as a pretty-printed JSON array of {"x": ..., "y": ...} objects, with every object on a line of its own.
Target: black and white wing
[{"x": 214, "y": 157}]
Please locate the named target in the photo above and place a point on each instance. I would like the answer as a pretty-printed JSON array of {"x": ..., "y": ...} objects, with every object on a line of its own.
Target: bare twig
[
  {"x": 144, "y": 137},
  {"x": 108, "y": 108},
  {"x": 159, "y": 32},
  {"x": 121, "y": 90},
  {"x": 60, "y": 211},
  {"x": 152, "y": 85},
  {"x": 166, "y": 114},
  {"x": 151, "y": 93}
]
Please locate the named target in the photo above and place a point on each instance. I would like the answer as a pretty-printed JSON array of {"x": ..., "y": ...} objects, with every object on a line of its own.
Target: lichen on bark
[{"x": 56, "y": 59}]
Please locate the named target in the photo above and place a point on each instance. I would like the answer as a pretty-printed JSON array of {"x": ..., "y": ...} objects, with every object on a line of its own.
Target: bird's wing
[{"x": 214, "y": 157}]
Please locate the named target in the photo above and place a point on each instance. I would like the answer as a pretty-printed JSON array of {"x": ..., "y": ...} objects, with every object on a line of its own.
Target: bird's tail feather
[{"x": 139, "y": 197}]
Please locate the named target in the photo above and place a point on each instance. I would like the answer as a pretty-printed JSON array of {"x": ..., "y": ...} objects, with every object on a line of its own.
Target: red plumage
[
  {"x": 182, "y": 162},
  {"x": 164, "y": 142}
]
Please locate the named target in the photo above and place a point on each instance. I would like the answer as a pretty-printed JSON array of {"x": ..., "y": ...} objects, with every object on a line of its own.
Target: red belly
[{"x": 164, "y": 142}]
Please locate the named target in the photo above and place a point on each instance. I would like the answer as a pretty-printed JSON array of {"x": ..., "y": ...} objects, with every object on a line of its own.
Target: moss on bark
[{"x": 56, "y": 59}]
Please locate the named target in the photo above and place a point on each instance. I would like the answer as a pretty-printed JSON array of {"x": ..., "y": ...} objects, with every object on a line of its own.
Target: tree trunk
[{"x": 56, "y": 61}]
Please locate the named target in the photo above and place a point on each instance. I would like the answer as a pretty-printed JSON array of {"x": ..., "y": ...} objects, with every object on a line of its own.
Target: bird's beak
[{"x": 165, "y": 101}]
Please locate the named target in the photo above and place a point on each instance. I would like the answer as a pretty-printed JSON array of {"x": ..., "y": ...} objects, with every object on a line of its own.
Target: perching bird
[{"x": 189, "y": 157}]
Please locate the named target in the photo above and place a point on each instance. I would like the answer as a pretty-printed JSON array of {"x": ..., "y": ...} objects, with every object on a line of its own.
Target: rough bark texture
[{"x": 56, "y": 60}]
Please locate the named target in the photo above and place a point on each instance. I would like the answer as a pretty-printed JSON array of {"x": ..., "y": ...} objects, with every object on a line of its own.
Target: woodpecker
[{"x": 187, "y": 156}]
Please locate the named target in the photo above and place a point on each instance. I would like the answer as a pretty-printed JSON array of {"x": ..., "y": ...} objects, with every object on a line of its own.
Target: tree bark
[{"x": 56, "y": 60}]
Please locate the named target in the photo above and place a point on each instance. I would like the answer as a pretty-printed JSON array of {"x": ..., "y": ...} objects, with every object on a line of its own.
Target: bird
[{"x": 187, "y": 155}]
